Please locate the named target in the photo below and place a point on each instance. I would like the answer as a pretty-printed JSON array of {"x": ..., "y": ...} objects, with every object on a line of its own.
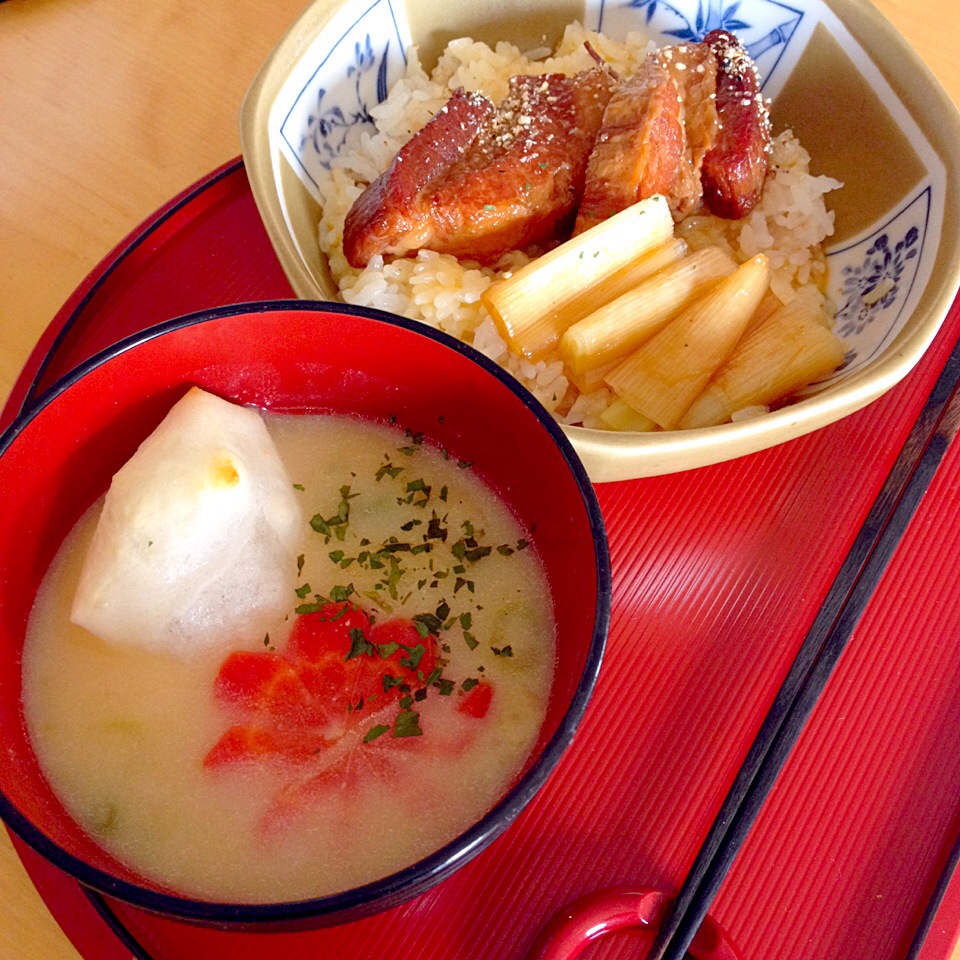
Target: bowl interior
[
  {"x": 838, "y": 74},
  {"x": 297, "y": 358}
]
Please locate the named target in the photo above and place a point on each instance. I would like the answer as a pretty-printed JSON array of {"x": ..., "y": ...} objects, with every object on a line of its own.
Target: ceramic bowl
[
  {"x": 861, "y": 102},
  {"x": 59, "y": 456}
]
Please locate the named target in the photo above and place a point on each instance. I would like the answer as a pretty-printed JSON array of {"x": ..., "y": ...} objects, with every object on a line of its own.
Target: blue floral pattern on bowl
[
  {"x": 876, "y": 277},
  {"x": 765, "y": 27},
  {"x": 358, "y": 56},
  {"x": 874, "y": 280}
]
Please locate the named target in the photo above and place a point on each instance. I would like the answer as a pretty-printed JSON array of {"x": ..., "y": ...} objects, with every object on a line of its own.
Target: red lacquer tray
[{"x": 719, "y": 574}]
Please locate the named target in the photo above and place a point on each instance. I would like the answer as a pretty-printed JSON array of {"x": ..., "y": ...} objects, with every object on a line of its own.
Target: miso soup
[{"x": 390, "y": 709}]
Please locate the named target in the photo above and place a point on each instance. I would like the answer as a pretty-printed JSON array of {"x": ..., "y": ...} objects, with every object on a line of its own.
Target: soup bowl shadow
[{"x": 58, "y": 457}]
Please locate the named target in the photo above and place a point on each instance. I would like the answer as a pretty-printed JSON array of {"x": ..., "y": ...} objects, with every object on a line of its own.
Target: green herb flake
[
  {"x": 413, "y": 658},
  {"x": 435, "y": 529},
  {"x": 378, "y": 731},
  {"x": 388, "y": 470},
  {"x": 320, "y": 525},
  {"x": 428, "y": 622},
  {"x": 506, "y": 651},
  {"x": 360, "y": 646},
  {"x": 407, "y": 724},
  {"x": 305, "y": 608}
]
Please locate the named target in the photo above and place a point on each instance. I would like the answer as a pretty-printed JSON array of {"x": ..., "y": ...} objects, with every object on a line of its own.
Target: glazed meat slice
[
  {"x": 390, "y": 208},
  {"x": 693, "y": 67},
  {"x": 639, "y": 148},
  {"x": 478, "y": 181},
  {"x": 735, "y": 169}
]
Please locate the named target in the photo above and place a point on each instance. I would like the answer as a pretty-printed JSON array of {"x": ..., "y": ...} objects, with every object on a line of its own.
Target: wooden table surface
[{"x": 108, "y": 109}]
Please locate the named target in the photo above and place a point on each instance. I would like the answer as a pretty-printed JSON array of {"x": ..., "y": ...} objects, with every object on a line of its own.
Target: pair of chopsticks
[{"x": 826, "y": 640}]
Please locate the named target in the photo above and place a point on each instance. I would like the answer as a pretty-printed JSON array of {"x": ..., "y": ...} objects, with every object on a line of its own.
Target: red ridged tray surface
[{"x": 718, "y": 575}]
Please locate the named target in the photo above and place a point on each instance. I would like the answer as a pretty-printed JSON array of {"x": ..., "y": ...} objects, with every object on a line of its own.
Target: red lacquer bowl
[{"x": 59, "y": 455}]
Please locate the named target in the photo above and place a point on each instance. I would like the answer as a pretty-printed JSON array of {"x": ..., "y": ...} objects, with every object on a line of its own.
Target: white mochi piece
[{"x": 197, "y": 543}]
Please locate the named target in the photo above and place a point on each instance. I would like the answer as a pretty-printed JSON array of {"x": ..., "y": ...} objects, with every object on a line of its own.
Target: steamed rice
[{"x": 789, "y": 224}]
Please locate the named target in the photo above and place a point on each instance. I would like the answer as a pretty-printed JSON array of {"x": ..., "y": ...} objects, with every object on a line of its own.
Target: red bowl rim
[{"x": 404, "y": 884}]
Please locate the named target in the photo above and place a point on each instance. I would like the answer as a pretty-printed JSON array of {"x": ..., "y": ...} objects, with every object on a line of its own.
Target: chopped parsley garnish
[
  {"x": 392, "y": 579},
  {"x": 378, "y": 731},
  {"x": 407, "y": 724},
  {"x": 359, "y": 645},
  {"x": 388, "y": 470},
  {"x": 412, "y": 660}
]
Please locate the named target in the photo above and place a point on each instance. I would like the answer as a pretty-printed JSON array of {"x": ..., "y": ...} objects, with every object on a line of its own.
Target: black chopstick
[
  {"x": 933, "y": 904},
  {"x": 842, "y": 609}
]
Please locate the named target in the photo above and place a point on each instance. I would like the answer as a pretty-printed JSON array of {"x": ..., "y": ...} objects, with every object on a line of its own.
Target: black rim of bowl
[{"x": 404, "y": 884}]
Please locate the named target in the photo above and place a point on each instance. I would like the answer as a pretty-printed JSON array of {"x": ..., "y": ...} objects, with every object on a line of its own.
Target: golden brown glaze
[
  {"x": 693, "y": 68},
  {"x": 639, "y": 147},
  {"x": 479, "y": 181},
  {"x": 390, "y": 207},
  {"x": 657, "y": 129},
  {"x": 735, "y": 169}
]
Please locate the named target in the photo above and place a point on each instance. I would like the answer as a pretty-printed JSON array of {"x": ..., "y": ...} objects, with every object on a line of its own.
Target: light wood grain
[{"x": 108, "y": 109}]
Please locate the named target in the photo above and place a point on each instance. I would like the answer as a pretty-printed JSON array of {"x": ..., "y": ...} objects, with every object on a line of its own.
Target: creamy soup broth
[{"x": 123, "y": 734}]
